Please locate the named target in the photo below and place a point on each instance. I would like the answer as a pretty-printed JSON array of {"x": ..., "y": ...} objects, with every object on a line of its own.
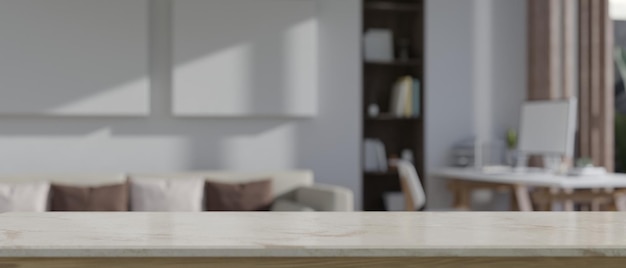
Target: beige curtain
[
  {"x": 596, "y": 118},
  {"x": 570, "y": 54}
]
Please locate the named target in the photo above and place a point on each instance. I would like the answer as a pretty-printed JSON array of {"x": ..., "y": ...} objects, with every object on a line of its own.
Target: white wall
[
  {"x": 449, "y": 87},
  {"x": 238, "y": 58},
  {"x": 475, "y": 77},
  {"x": 328, "y": 143},
  {"x": 68, "y": 57},
  {"x": 509, "y": 63}
]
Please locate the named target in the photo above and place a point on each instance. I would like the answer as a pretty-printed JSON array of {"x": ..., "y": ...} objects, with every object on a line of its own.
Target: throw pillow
[
  {"x": 103, "y": 198},
  {"x": 179, "y": 195},
  {"x": 24, "y": 197},
  {"x": 251, "y": 196}
]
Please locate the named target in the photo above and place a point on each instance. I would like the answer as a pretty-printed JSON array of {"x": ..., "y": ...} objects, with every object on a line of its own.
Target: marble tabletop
[{"x": 380, "y": 234}]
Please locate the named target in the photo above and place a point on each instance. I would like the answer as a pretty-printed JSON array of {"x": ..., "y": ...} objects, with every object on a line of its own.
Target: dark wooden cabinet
[{"x": 405, "y": 19}]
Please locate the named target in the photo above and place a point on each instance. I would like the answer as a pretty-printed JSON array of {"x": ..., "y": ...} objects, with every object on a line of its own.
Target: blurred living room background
[{"x": 373, "y": 99}]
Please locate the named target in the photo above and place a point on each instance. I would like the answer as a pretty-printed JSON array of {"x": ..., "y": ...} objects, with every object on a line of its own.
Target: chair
[{"x": 414, "y": 195}]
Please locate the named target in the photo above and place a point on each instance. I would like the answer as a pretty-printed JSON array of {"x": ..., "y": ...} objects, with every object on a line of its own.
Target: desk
[
  {"x": 358, "y": 239},
  {"x": 557, "y": 187}
]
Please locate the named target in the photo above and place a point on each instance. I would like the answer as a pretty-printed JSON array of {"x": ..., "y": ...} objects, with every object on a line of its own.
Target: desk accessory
[
  {"x": 378, "y": 45},
  {"x": 587, "y": 171}
]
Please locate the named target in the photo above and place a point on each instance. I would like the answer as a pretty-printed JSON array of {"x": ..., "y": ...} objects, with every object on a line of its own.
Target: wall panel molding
[
  {"x": 242, "y": 58},
  {"x": 74, "y": 58}
]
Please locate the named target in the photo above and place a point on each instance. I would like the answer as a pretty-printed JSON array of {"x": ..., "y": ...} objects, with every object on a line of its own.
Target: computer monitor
[{"x": 548, "y": 128}]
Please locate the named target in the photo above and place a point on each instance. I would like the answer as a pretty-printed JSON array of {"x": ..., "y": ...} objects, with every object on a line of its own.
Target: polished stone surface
[{"x": 212, "y": 234}]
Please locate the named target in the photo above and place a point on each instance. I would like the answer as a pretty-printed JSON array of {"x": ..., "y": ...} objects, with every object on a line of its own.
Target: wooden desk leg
[
  {"x": 514, "y": 206},
  {"x": 465, "y": 196},
  {"x": 542, "y": 199},
  {"x": 600, "y": 204},
  {"x": 555, "y": 205},
  {"x": 523, "y": 198},
  {"x": 568, "y": 204},
  {"x": 461, "y": 194},
  {"x": 596, "y": 203}
]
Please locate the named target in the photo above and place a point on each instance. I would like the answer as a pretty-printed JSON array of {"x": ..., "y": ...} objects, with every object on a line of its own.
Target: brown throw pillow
[
  {"x": 251, "y": 196},
  {"x": 103, "y": 198}
]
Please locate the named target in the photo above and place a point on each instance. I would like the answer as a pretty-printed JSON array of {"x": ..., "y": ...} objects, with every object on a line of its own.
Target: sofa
[{"x": 176, "y": 192}]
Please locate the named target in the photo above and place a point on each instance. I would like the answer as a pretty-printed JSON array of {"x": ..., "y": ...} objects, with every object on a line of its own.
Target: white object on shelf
[
  {"x": 381, "y": 153},
  {"x": 401, "y": 103},
  {"x": 394, "y": 201},
  {"x": 375, "y": 156},
  {"x": 370, "y": 162},
  {"x": 373, "y": 110},
  {"x": 378, "y": 45},
  {"x": 408, "y": 155}
]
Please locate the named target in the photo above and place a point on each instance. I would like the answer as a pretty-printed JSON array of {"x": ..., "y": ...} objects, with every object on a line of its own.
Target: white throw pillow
[
  {"x": 178, "y": 195},
  {"x": 24, "y": 197}
]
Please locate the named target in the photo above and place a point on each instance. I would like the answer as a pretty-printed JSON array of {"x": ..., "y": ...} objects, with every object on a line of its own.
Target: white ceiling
[{"x": 618, "y": 9}]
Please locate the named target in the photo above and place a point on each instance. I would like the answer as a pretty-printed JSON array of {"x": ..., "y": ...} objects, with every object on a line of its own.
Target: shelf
[
  {"x": 392, "y": 118},
  {"x": 404, "y": 18},
  {"x": 381, "y": 174},
  {"x": 398, "y": 63},
  {"x": 391, "y": 6}
]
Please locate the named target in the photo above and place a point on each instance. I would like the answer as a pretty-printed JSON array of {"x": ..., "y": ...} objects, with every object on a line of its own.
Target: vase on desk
[{"x": 510, "y": 157}]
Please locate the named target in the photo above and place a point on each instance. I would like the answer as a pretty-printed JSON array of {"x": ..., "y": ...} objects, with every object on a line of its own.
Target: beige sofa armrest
[{"x": 325, "y": 197}]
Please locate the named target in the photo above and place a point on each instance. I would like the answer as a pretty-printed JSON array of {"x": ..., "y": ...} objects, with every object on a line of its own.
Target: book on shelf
[
  {"x": 416, "y": 97},
  {"x": 375, "y": 156},
  {"x": 405, "y": 97}
]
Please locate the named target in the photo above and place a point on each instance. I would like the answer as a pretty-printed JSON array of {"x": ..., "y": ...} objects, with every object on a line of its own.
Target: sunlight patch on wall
[
  {"x": 128, "y": 99},
  {"x": 241, "y": 58},
  {"x": 229, "y": 91}
]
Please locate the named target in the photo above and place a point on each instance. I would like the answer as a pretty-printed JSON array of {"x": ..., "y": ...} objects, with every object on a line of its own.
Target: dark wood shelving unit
[
  {"x": 393, "y": 118},
  {"x": 407, "y": 63},
  {"x": 405, "y": 18},
  {"x": 391, "y": 6},
  {"x": 381, "y": 174}
]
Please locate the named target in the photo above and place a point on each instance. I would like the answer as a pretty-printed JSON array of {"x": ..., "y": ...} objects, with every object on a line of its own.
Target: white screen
[{"x": 548, "y": 127}]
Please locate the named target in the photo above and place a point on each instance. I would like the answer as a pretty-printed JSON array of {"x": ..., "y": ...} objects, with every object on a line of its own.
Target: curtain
[
  {"x": 596, "y": 92},
  {"x": 570, "y": 50}
]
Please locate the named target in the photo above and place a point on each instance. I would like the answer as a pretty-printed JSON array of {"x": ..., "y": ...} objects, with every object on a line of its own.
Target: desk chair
[{"x": 414, "y": 195}]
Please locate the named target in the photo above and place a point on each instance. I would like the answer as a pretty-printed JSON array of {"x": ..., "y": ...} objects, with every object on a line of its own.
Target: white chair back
[{"x": 414, "y": 195}]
